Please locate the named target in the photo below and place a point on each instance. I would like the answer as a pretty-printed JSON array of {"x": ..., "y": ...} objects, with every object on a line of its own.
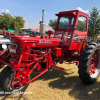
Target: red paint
[
  {"x": 93, "y": 63},
  {"x": 34, "y": 53}
]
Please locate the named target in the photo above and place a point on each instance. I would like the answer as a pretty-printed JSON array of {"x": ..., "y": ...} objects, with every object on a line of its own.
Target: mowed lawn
[{"x": 58, "y": 85}]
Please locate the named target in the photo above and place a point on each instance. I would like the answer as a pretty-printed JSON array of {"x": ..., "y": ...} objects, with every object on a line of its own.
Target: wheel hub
[
  {"x": 93, "y": 63},
  {"x": 16, "y": 83}
]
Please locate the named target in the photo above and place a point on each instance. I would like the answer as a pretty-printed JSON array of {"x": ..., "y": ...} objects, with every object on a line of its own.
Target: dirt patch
[{"x": 58, "y": 85}]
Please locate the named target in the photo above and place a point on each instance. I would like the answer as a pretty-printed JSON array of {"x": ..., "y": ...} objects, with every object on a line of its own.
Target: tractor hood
[{"x": 37, "y": 41}]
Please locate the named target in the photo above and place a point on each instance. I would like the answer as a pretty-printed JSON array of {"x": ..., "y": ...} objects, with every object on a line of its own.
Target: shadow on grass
[
  {"x": 76, "y": 88},
  {"x": 51, "y": 74}
]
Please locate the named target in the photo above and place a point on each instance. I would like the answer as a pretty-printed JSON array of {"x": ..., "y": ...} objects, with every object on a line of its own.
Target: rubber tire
[
  {"x": 7, "y": 80},
  {"x": 2, "y": 74},
  {"x": 83, "y": 67}
]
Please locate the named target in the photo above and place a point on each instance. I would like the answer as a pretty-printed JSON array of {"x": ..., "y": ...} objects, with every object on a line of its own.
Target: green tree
[
  {"x": 63, "y": 25},
  {"x": 9, "y": 22},
  {"x": 5, "y": 20},
  {"x": 81, "y": 25},
  {"x": 17, "y": 27},
  {"x": 94, "y": 23},
  {"x": 52, "y": 23},
  {"x": 1, "y": 22},
  {"x": 18, "y": 23}
]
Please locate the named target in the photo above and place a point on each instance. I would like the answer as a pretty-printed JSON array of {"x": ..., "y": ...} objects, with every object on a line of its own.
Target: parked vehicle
[
  {"x": 4, "y": 43},
  {"x": 41, "y": 53}
]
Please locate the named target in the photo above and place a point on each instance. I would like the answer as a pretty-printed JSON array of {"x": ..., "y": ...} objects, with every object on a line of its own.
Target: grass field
[{"x": 58, "y": 85}]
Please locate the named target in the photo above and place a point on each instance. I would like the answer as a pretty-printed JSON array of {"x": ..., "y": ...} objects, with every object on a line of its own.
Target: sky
[{"x": 31, "y": 10}]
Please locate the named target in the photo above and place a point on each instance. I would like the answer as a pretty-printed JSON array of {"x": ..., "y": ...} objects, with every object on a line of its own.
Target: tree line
[
  {"x": 93, "y": 24},
  {"x": 9, "y": 22}
]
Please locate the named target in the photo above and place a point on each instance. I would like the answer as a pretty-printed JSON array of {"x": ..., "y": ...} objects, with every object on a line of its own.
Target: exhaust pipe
[{"x": 42, "y": 24}]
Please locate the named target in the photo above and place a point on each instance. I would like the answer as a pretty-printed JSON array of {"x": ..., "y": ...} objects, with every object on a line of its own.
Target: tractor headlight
[{"x": 4, "y": 46}]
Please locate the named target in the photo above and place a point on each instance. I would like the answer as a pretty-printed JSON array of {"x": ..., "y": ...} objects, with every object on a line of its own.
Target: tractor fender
[{"x": 81, "y": 45}]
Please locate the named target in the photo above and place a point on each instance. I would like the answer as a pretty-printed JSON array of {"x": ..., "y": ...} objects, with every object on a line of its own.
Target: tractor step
[{"x": 59, "y": 68}]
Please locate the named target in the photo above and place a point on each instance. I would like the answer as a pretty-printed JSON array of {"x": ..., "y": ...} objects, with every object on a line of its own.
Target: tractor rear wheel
[
  {"x": 11, "y": 85},
  {"x": 89, "y": 63}
]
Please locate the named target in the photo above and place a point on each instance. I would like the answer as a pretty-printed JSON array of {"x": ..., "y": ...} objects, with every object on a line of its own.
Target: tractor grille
[{"x": 18, "y": 51}]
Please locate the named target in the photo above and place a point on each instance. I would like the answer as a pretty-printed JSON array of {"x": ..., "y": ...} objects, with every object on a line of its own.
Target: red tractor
[
  {"x": 8, "y": 34},
  {"x": 41, "y": 53}
]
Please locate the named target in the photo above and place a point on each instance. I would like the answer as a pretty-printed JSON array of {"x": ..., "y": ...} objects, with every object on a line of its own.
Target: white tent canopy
[{"x": 37, "y": 26}]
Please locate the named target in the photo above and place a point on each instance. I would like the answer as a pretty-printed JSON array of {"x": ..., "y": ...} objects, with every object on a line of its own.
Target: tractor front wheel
[
  {"x": 11, "y": 85},
  {"x": 89, "y": 63}
]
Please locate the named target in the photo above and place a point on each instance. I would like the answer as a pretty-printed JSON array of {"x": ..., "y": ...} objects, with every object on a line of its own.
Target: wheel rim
[
  {"x": 94, "y": 66},
  {"x": 16, "y": 84}
]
